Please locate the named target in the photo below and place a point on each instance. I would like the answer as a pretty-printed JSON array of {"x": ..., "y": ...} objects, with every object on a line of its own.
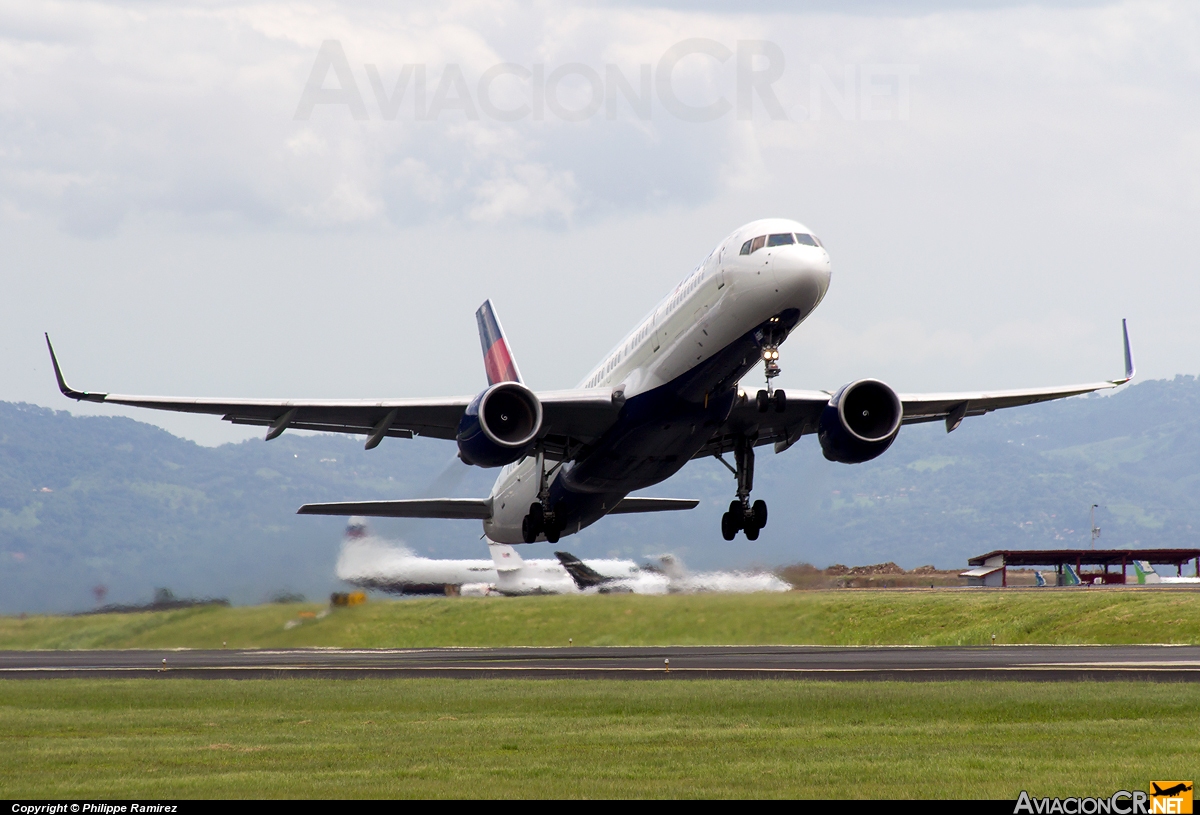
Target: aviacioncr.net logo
[{"x": 1164, "y": 798}]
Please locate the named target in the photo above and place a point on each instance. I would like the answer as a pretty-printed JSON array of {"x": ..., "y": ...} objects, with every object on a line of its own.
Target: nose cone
[{"x": 802, "y": 274}]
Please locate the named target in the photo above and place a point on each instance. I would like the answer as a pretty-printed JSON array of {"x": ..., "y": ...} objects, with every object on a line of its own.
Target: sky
[{"x": 311, "y": 199}]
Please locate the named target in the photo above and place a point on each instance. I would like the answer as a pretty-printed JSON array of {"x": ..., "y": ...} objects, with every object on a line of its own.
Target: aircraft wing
[
  {"x": 803, "y": 409},
  {"x": 457, "y": 508},
  {"x": 954, "y": 407},
  {"x": 568, "y": 416}
]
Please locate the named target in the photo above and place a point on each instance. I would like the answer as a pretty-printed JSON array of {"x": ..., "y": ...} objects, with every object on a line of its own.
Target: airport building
[{"x": 1106, "y": 566}]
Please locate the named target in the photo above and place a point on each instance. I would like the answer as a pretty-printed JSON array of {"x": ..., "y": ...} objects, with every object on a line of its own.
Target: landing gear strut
[
  {"x": 743, "y": 515},
  {"x": 541, "y": 518},
  {"x": 773, "y": 334}
]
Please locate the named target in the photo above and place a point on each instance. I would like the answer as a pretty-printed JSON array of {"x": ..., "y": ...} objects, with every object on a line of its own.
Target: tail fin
[
  {"x": 584, "y": 576},
  {"x": 670, "y": 565},
  {"x": 1070, "y": 578},
  {"x": 1145, "y": 572},
  {"x": 505, "y": 557},
  {"x": 356, "y": 529},
  {"x": 1041, "y": 581},
  {"x": 498, "y": 360}
]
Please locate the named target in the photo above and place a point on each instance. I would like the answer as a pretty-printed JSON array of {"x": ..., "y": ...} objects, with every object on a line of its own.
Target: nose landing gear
[
  {"x": 773, "y": 334},
  {"x": 743, "y": 515}
]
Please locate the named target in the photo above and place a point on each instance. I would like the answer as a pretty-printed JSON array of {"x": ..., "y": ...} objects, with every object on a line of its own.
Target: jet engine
[
  {"x": 860, "y": 422},
  {"x": 499, "y": 426}
]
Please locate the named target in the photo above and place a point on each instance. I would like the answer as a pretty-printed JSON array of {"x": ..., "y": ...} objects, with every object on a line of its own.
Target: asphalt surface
[{"x": 1018, "y": 662}]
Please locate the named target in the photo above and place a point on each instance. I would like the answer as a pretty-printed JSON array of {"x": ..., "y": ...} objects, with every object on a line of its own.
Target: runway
[{"x": 1018, "y": 662}]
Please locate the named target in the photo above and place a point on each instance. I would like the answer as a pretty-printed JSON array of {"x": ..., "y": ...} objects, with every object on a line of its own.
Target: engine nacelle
[
  {"x": 500, "y": 425},
  {"x": 860, "y": 422}
]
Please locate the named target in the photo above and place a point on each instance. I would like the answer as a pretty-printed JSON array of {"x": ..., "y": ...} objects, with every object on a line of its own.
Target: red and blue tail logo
[{"x": 497, "y": 357}]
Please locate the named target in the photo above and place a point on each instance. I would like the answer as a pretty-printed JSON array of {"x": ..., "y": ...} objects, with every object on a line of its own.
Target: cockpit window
[
  {"x": 807, "y": 240},
  {"x": 757, "y": 243},
  {"x": 745, "y": 248},
  {"x": 785, "y": 239}
]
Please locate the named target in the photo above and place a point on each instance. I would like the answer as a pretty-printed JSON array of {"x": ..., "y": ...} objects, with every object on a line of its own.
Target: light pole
[{"x": 1095, "y": 529}]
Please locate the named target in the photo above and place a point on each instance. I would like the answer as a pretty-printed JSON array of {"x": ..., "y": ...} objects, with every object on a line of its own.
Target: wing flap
[
  {"x": 631, "y": 505},
  {"x": 449, "y": 508}
]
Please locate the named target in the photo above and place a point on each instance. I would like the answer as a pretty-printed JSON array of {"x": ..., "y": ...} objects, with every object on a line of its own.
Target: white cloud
[{"x": 1044, "y": 184}]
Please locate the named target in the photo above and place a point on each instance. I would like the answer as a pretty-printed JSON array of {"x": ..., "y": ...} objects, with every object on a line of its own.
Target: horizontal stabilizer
[
  {"x": 456, "y": 508},
  {"x": 628, "y": 505}
]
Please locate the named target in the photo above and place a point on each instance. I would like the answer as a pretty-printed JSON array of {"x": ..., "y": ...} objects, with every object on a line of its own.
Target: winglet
[
  {"x": 67, "y": 390},
  {"x": 498, "y": 360},
  {"x": 1130, "y": 369}
]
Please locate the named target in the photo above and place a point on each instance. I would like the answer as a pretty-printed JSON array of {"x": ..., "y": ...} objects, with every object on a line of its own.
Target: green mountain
[{"x": 87, "y": 501}]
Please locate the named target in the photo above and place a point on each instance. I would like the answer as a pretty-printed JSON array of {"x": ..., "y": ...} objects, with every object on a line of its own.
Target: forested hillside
[{"x": 88, "y": 501}]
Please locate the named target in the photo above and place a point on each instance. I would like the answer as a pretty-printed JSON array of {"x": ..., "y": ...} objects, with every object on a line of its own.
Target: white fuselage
[
  {"x": 722, "y": 299},
  {"x": 374, "y": 563}
]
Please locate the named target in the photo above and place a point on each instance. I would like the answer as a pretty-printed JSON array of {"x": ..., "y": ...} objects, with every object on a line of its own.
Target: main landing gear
[
  {"x": 541, "y": 519},
  {"x": 743, "y": 515}
]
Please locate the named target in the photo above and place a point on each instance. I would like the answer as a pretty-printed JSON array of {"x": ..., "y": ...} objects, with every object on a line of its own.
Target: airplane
[
  {"x": 669, "y": 573},
  {"x": 370, "y": 562},
  {"x": 1170, "y": 792},
  {"x": 669, "y": 392},
  {"x": 1146, "y": 575}
]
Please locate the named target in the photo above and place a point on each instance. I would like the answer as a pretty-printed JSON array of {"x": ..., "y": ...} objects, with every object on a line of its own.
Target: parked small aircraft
[
  {"x": 373, "y": 563},
  {"x": 1146, "y": 575},
  {"x": 670, "y": 391},
  {"x": 370, "y": 562}
]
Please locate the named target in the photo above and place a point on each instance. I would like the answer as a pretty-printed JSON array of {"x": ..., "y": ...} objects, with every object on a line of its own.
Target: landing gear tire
[
  {"x": 533, "y": 524},
  {"x": 760, "y": 514},
  {"x": 780, "y": 401},
  {"x": 729, "y": 526},
  {"x": 763, "y": 399},
  {"x": 552, "y": 534},
  {"x": 751, "y": 532}
]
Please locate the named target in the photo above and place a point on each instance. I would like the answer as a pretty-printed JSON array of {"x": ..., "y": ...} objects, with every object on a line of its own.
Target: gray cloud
[
  {"x": 889, "y": 8},
  {"x": 164, "y": 212}
]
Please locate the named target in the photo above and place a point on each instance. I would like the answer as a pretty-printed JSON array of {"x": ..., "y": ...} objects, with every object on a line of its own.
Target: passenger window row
[{"x": 781, "y": 239}]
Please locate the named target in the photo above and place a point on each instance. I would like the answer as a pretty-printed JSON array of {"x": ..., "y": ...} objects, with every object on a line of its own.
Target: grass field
[
  {"x": 847, "y": 617},
  {"x": 454, "y": 738}
]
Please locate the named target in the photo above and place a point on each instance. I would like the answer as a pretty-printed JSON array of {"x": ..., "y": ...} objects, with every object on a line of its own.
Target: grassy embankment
[
  {"x": 827, "y": 618},
  {"x": 448, "y": 738}
]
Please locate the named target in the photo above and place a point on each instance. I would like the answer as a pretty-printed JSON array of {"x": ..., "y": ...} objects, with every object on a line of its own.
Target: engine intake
[
  {"x": 860, "y": 422},
  {"x": 500, "y": 425}
]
